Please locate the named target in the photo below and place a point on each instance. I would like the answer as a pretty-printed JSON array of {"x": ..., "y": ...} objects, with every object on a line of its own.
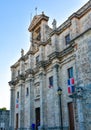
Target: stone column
[
  {"x": 55, "y": 43},
  {"x": 87, "y": 105},
  {"x": 42, "y": 100},
  {"x": 41, "y": 50},
  {"x": 32, "y": 109},
  {"x": 43, "y": 30},
  {"x": 12, "y": 108},
  {"x": 22, "y": 105},
  {"x": 56, "y": 98},
  {"x": 22, "y": 66},
  {"x": 80, "y": 115},
  {"x": 31, "y": 61},
  {"x": 84, "y": 109}
]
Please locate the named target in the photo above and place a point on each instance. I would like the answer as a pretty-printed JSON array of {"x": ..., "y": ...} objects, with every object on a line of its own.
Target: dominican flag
[
  {"x": 71, "y": 88},
  {"x": 17, "y": 103}
]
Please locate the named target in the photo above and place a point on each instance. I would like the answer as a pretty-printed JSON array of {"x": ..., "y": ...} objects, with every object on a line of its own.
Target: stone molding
[
  {"x": 44, "y": 64},
  {"x": 36, "y": 20},
  {"x": 82, "y": 11}
]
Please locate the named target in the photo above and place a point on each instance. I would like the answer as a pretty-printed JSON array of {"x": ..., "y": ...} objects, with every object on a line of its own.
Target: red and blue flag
[
  {"x": 71, "y": 88},
  {"x": 17, "y": 103}
]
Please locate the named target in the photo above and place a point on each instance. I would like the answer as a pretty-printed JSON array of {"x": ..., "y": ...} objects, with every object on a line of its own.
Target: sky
[{"x": 15, "y": 17}]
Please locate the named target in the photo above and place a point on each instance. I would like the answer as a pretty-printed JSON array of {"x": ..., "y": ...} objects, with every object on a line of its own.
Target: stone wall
[
  {"x": 55, "y": 57},
  {"x": 4, "y": 119}
]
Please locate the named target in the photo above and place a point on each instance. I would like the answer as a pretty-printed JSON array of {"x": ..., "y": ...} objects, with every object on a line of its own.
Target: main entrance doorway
[
  {"x": 71, "y": 115},
  {"x": 17, "y": 118},
  {"x": 37, "y": 114}
]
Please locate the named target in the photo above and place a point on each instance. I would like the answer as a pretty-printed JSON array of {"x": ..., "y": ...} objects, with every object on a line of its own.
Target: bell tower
[{"x": 38, "y": 28}]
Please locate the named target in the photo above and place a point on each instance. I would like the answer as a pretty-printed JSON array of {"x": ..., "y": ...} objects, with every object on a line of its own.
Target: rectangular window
[
  {"x": 67, "y": 39},
  {"x": 37, "y": 59},
  {"x": 17, "y": 94},
  {"x": 70, "y": 72},
  {"x": 51, "y": 81},
  {"x": 27, "y": 91}
]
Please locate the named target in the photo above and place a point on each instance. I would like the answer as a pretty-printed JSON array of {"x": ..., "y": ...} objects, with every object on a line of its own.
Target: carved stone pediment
[{"x": 36, "y": 20}]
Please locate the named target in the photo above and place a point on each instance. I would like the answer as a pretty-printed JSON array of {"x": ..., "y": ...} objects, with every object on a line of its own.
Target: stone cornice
[
  {"x": 44, "y": 64},
  {"x": 58, "y": 55},
  {"x": 61, "y": 28},
  {"x": 64, "y": 26},
  {"x": 22, "y": 58},
  {"x": 37, "y": 83},
  {"x": 15, "y": 65},
  {"x": 55, "y": 54},
  {"x": 18, "y": 78},
  {"x": 82, "y": 11},
  {"x": 80, "y": 35},
  {"x": 66, "y": 51},
  {"x": 30, "y": 52},
  {"x": 54, "y": 32},
  {"x": 36, "y": 20},
  {"x": 13, "y": 82}
]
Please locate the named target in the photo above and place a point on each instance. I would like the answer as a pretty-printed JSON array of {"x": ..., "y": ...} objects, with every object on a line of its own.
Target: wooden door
[
  {"x": 37, "y": 113},
  {"x": 17, "y": 120},
  {"x": 71, "y": 116}
]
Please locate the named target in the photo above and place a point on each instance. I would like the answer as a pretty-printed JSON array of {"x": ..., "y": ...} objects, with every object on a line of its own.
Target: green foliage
[{"x": 4, "y": 108}]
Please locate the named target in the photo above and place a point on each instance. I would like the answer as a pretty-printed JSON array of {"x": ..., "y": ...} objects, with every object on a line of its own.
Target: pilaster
[
  {"x": 32, "y": 109},
  {"x": 43, "y": 31},
  {"x": 21, "y": 66},
  {"x": 12, "y": 107},
  {"x": 80, "y": 115},
  {"x": 22, "y": 100},
  {"x": 56, "y": 98},
  {"x": 41, "y": 49},
  {"x": 31, "y": 62},
  {"x": 83, "y": 116},
  {"x": 55, "y": 44},
  {"x": 43, "y": 121}
]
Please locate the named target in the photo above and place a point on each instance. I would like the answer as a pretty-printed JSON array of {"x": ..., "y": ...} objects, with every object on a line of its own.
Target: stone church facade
[{"x": 55, "y": 55}]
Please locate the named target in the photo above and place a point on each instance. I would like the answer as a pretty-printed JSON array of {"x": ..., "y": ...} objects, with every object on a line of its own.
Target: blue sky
[{"x": 15, "y": 16}]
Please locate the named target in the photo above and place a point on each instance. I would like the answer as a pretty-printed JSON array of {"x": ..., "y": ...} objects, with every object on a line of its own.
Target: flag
[
  {"x": 17, "y": 103},
  {"x": 71, "y": 88},
  {"x": 71, "y": 81}
]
